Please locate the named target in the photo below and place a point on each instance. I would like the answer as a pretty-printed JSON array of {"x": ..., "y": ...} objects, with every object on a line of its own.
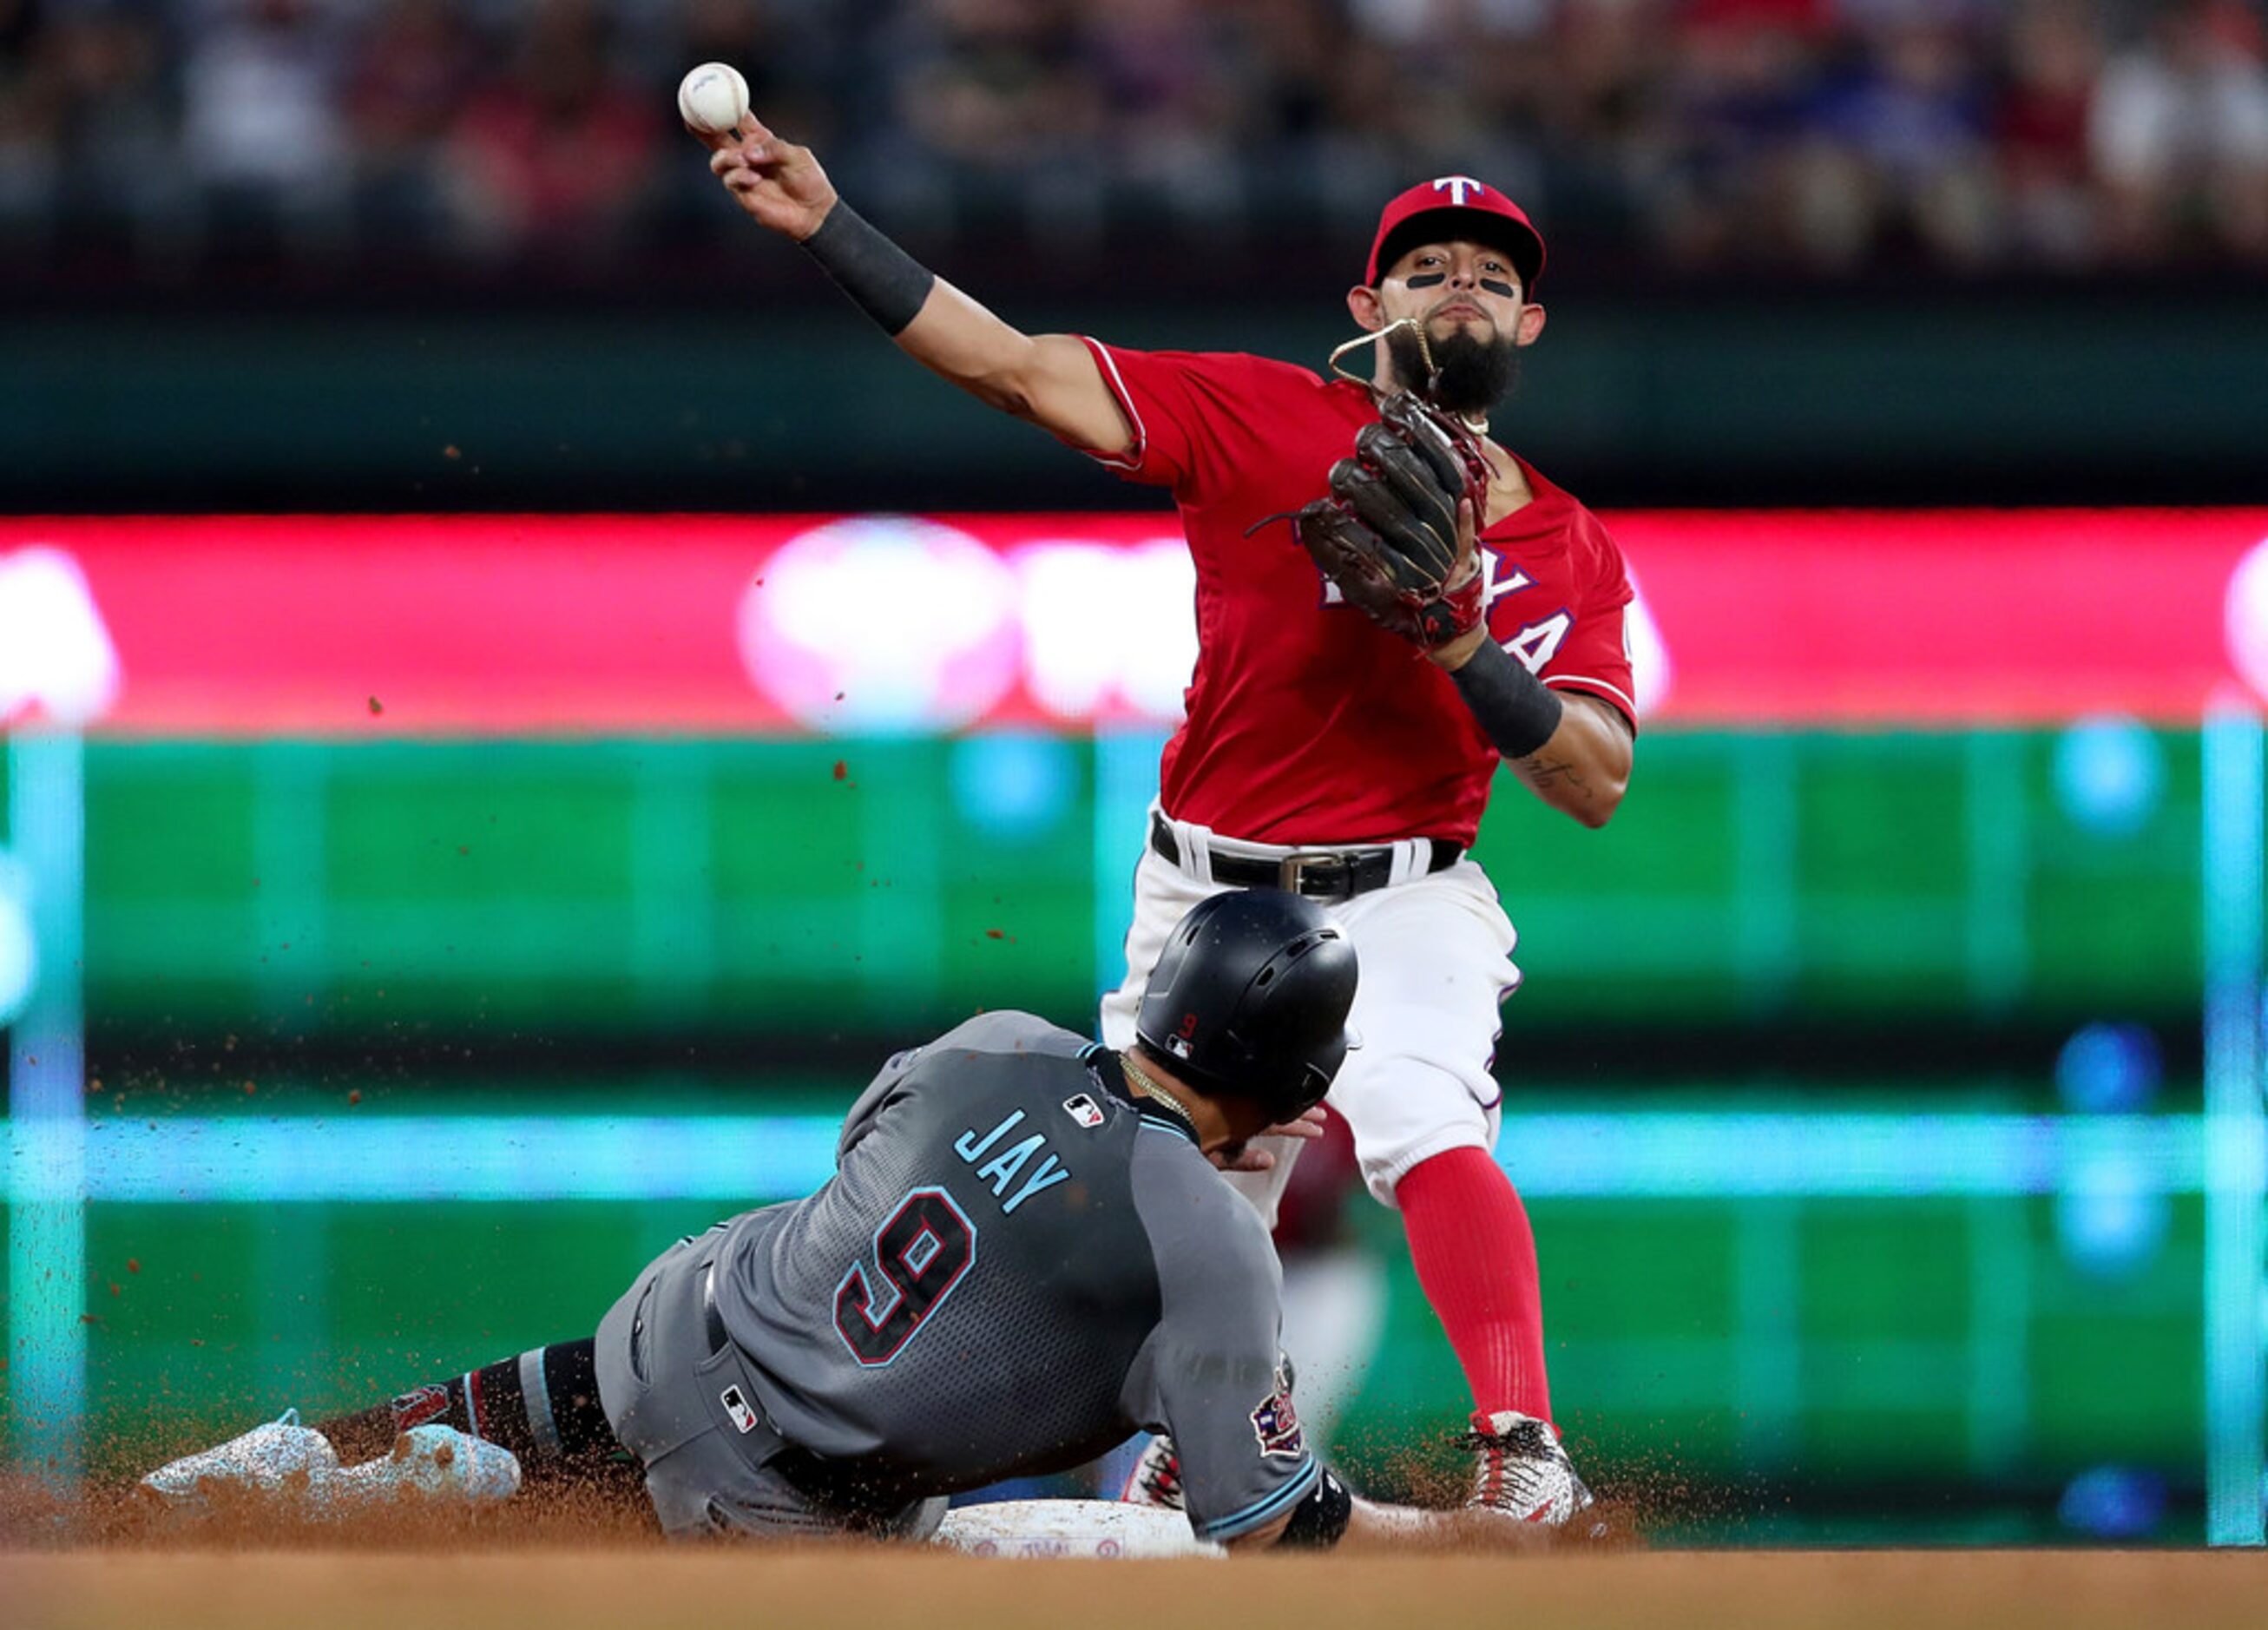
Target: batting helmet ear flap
[{"x": 1249, "y": 999}]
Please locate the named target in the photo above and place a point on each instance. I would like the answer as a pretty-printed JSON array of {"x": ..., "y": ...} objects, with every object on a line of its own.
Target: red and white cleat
[
  {"x": 1156, "y": 1480},
  {"x": 1523, "y": 1474}
]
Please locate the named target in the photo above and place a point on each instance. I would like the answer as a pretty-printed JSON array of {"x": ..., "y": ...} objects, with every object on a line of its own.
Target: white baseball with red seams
[{"x": 713, "y": 98}]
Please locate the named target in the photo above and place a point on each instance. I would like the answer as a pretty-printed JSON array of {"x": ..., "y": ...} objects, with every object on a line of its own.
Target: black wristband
[
  {"x": 888, "y": 285},
  {"x": 1320, "y": 1521},
  {"x": 1516, "y": 710}
]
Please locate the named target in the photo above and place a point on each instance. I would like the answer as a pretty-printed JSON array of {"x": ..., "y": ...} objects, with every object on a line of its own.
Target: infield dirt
[
  {"x": 581, "y": 1560},
  {"x": 641, "y": 1587}
]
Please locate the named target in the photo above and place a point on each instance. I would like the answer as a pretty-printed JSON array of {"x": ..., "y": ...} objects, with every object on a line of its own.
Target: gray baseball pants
[{"x": 681, "y": 1397}]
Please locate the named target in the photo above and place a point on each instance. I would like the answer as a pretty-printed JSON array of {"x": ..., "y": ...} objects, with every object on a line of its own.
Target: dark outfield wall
[{"x": 784, "y": 399}]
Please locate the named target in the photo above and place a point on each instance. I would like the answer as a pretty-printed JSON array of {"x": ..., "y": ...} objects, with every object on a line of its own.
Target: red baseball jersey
[{"x": 1306, "y": 722}]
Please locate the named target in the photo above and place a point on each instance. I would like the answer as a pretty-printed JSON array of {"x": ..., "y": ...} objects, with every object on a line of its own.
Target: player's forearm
[
  {"x": 1573, "y": 751},
  {"x": 964, "y": 343},
  {"x": 1050, "y": 381},
  {"x": 1373, "y": 1526},
  {"x": 1567, "y": 749},
  {"x": 1584, "y": 768}
]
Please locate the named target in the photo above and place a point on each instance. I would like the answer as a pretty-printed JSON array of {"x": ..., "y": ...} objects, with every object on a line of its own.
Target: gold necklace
[{"x": 1149, "y": 1085}]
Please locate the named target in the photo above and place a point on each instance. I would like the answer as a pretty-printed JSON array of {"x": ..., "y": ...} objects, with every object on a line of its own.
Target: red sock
[{"x": 1476, "y": 1258}]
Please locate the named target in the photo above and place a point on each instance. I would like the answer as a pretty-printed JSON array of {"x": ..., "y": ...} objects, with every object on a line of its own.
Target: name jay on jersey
[{"x": 1003, "y": 1168}]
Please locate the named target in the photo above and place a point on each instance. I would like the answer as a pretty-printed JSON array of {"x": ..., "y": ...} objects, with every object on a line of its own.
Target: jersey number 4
[{"x": 923, "y": 1250}]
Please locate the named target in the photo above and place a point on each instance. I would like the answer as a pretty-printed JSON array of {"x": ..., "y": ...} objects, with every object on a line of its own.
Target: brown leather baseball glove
[{"x": 1387, "y": 534}]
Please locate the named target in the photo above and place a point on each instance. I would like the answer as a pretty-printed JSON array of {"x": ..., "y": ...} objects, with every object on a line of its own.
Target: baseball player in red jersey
[{"x": 1321, "y": 753}]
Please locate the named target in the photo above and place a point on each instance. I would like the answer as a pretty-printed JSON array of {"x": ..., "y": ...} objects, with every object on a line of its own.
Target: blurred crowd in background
[{"x": 1816, "y": 137}]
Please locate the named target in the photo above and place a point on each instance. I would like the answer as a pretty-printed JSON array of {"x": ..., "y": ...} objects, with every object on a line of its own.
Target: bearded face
[{"x": 1476, "y": 373}]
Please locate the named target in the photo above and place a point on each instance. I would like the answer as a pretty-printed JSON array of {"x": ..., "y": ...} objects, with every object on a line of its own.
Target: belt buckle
[{"x": 1292, "y": 867}]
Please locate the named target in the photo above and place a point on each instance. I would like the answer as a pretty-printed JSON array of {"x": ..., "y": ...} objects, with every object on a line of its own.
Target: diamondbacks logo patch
[
  {"x": 1277, "y": 1425},
  {"x": 737, "y": 1407},
  {"x": 1083, "y": 1109}
]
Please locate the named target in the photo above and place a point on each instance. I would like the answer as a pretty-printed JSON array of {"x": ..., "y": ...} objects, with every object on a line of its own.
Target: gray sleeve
[
  {"x": 1004, "y": 1031},
  {"x": 861, "y": 1118},
  {"x": 1209, "y": 1374}
]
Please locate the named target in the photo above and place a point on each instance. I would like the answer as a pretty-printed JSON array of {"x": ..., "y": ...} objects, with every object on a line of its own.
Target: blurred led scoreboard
[
  {"x": 644, "y": 773},
  {"x": 417, "y": 625}
]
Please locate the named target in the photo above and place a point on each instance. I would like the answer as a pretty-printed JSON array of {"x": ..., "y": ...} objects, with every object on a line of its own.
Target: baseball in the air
[{"x": 713, "y": 98}]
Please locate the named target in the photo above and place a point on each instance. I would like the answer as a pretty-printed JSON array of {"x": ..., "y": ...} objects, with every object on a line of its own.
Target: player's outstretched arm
[
  {"x": 1372, "y": 1525},
  {"x": 1050, "y": 380}
]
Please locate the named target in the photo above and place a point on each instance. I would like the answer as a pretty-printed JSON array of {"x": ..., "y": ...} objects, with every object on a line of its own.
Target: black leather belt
[{"x": 1319, "y": 874}]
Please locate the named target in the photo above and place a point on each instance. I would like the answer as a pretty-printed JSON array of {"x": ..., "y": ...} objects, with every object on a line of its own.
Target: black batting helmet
[{"x": 1249, "y": 999}]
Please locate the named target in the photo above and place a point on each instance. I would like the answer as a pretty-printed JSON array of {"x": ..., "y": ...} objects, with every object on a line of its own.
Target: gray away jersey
[{"x": 1016, "y": 1266}]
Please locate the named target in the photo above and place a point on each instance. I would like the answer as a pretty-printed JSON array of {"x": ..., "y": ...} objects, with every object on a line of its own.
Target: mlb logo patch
[
  {"x": 1176, "y": 1046},
  {"x": 737, "y": 1407},
  {"x": 1083, "y": 1109}
]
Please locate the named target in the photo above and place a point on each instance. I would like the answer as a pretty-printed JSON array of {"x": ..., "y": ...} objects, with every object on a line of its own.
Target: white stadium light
[
  {"x": 1650, "y": 669},
  {"x": 54, "y": 653},
  {"x": 1109, "y": 626},
  {"x": 881, "y": 623},
  {"x": 2244, "y": 617}
]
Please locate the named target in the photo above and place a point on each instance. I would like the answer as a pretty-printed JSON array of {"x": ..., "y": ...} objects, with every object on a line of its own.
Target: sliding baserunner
[{"x": 1027, "y": 1252}]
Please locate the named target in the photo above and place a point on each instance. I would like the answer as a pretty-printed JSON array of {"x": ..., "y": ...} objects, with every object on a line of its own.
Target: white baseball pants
[{"x": 1434, "y": 956}]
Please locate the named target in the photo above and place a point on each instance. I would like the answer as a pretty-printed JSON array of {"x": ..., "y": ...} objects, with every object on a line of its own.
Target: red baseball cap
[{"x": 1457, "y": 206}]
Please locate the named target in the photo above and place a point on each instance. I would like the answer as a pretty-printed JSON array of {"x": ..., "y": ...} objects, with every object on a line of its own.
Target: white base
[{"x": 1071, "y": 1528}]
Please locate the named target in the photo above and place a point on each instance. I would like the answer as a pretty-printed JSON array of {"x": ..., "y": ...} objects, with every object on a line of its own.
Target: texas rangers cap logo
[{"x": 1461, "y": 205}]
